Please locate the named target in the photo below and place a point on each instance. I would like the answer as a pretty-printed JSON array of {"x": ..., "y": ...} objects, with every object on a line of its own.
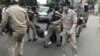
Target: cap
[
  {"x": 14, "y": 1},
  {"x": 66, "y": 3}
]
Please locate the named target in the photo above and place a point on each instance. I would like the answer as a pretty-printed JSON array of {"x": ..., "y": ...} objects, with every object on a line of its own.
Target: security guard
[
  {"x": 31, "y": 24},
  {"x": 17, "y": 18},
  {"x": 69, "y": 21},
  {"x": 54, "y": 26}
]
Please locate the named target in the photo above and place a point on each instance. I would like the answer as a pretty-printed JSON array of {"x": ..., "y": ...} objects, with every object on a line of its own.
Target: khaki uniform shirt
[
  {"x": 17, "y": 17},
  {"x": 69, "y": 20}
]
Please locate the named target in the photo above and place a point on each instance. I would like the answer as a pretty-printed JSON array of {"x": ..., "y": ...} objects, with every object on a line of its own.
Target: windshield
[{"x": 43, "y": 9}]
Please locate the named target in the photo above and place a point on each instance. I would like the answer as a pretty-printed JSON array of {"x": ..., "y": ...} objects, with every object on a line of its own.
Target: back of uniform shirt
[{"x": 18, "y": 17}]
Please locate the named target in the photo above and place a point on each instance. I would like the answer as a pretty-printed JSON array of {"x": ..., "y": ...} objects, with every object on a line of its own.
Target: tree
[
  {"x": 91, "y": 1},
  {"x": 53, "y": 3},
  {"x": 22, "y": 2},
  {"x": 28, "y": 2},
  {"x": 2, "y": 1}
]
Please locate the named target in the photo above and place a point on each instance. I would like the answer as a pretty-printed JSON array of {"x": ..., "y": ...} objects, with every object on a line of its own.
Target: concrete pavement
[{"x": 89, "y": 41}]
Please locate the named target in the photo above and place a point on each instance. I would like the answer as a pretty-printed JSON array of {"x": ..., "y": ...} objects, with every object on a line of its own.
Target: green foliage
[
  {"x": 53, "y": 3},
  {"x": 91, "y": 1},
  {"x": 22, "y": 2},
  {"x": 28, "y": 2},
  {"x": 2, "y": 1}
]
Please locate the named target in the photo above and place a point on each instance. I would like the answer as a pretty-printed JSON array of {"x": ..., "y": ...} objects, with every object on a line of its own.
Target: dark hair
[
  {"x": 50, "y": 9},
  {"x": 67, "y": 3},
  {"x": 72, "y": 7},
  {"x": 7, "y": 2},
  {"x": 14, "y": 2},
  {"x": 56, "y": 8}
]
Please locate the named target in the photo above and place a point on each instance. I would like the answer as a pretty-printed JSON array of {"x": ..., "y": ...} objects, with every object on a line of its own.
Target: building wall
[
  {"x": 84, "y": 1},
  {"x": 75, "y": 1},
  {"x": 98, "y": 1}
]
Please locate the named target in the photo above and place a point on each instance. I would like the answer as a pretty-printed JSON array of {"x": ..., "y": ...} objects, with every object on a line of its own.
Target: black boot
[
  {"x": 29, "y": 40},
  {"x": 35, "y": 39},
  {"x": 45, "y": 46},
  {"x": 58, "y": 45}
]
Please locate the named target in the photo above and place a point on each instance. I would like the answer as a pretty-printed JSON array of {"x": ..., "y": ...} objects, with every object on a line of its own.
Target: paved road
[{"x": 88, "y": 43}]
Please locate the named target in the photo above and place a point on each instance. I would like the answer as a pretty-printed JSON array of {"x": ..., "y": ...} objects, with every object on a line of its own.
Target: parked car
[{"x": 42, "y": 11}]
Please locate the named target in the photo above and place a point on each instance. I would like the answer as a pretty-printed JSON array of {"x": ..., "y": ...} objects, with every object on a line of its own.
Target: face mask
[{"x": 65, "y": 8}]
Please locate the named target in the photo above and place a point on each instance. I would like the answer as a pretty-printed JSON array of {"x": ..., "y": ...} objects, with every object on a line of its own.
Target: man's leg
[
  {"x": 20, "y": 47},
  {"x": 86, "y": 15},
  {"x": 34, "y": 33},
  {"x": 64, "y": 42},
  {"x": 57, "y": 30},
  {"x": 28, "y": 34},
  {"x": 74, "y": 46},
  {"x": 50, "y": 31},
  {"x": 12, "y": 44},
  {"x": 20, "y": 42},
  {"x": 31, "y": 25}
]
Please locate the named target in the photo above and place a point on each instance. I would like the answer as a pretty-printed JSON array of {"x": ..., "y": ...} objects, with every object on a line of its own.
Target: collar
[
  {"x": 15, "y": 5},
  {"x": 69, "y": 10}
]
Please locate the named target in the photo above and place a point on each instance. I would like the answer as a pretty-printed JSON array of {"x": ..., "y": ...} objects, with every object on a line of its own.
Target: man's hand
[
  {"x": 69, "y": 35},
  {"x": 53, "y": 22}
]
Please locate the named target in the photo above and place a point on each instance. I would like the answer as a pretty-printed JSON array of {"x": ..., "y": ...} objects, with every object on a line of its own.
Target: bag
[
  {"x": 39, "y": 31},
  {"x": 36, "y": 26}
]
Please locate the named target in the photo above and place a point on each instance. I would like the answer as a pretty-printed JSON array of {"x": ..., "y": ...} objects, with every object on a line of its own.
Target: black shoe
[
  {"x": 84, "y": 26},
  {"x": 34, "y": 39},
  {"x": 29, "y": 40},
  {"x": 58, "y": 45},
  {"x": 20, "y": 55},
  {"x": 77, "y": 36},
  {"x": 45, "y": 46}
]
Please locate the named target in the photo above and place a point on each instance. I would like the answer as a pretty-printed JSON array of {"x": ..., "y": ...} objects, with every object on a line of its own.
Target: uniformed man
[
  {"x": 54, "y": 26},
  {"x": 69, "y": 21},
  {"x": 31, "y": 24},
  {"x": 17, "y": 18}
]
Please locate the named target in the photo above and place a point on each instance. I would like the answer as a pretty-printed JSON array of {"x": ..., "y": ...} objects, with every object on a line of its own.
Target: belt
[{"x": 53, "y": 24}]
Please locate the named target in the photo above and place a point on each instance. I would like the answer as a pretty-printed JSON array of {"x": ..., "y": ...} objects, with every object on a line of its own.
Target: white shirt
[{"x": 50, "y": 15}]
